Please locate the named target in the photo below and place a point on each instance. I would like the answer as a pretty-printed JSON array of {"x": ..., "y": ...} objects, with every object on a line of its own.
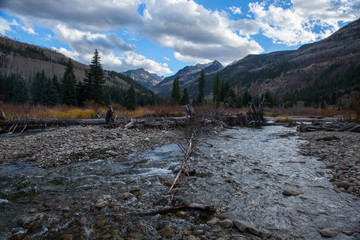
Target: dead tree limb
[{"x": 183, "y": 165}]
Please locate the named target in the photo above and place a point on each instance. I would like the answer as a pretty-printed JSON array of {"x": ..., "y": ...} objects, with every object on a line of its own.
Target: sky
[{"x": 163, "y": 36}]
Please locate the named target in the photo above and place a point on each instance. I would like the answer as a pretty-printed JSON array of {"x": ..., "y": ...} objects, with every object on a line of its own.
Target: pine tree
[
  {"x": 201, "y": 87},
  {"x": 57, "y": 86},
  {"x": 69, "y": 85},
  {"x": 216, "y": 89},
  {"x": 131, "y": 98},
  {"x": 43, "y": 90},
  {"x": 185, "y": 97},
  {"x": 246, "y": 99},
  {"x": 176, "y": 92},
  {"x": 222, "y": 92},
  {"x": 15, "y": 89},
  {"x": 95, "y": 80}
]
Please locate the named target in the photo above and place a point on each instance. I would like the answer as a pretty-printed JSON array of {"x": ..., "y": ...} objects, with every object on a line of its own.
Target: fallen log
[{"x": 184, "y": 206}]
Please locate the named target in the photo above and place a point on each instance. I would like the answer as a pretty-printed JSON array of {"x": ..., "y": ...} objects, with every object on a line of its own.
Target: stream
[{"x": 242, "y": 172}]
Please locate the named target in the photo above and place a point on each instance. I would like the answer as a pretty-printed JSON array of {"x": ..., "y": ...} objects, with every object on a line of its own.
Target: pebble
[
  {"x": 127, "y": 196},
  {"x": 288, "y": 192},
  {"x": 166, "y": 231},
  {"x": 212, "y": 222},
  {"x": 329, "y": 232},
  {"x": 227, "y": 223},
  {"x": 181, "y": 213}
]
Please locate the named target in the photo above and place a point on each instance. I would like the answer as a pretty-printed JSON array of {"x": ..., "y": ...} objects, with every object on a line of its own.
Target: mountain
[
  {"x": 328, "y": 66},
  {"x": 26, "y": 60},
  {"x": 146, "y": 79},
  {"x": 188, "y": 76}
]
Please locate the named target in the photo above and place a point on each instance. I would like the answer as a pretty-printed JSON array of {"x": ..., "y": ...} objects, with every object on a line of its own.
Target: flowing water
[{"x": 242, "y": 171}]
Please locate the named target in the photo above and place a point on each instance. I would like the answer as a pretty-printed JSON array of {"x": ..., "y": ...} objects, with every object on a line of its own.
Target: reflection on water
[{"x": 244, "y": 174}]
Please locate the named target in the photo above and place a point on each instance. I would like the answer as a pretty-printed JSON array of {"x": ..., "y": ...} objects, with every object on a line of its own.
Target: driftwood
[
  {"x": 184, "y": 206},
  {"x": 23, "y": 124},
  {"x": 186, "y": 158},
  {"x": 253, "y": 118},
  {"x": 333, "y": 126}
]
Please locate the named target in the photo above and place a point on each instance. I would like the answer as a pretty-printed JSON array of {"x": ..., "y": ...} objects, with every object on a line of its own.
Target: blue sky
[{"x": 163, "y": 36}]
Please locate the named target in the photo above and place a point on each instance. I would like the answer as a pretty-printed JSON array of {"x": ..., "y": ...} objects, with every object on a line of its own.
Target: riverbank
[
  {"x": 82, "y": 143},
  {"x": 340, "y": 151}
]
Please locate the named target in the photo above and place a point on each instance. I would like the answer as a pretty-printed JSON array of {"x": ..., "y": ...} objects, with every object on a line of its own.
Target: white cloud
[
  {"x": 195, "y": 33},
  {"x": 235, "y": 10},
  {"x": 5, "y": 26},
  {"x": 70, "y": 54},
  {"x": 304, "y": 21},
  {"x": 167, "y": 59},
  {"x": 83, "y": 44}
]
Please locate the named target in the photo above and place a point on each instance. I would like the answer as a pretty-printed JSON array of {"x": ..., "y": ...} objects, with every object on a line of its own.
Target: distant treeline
[
  {"x": 70, "y": 91},
  {"x": 327, "y": 90}
]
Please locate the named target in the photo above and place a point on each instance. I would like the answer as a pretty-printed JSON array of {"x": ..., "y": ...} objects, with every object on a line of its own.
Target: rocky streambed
[
  {"x": 264, "y": 183},
  {"x": 77, "y": 144}
]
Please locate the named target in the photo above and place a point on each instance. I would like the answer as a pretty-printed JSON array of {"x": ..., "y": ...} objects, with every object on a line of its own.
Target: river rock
[
  {"x": 166, "y": 231},
  {"x": 127, "y": 196},
  {"x": 191, "y": 237},
  {"x": 246, "y": 227},
  {"x": 329, "y": 232},
  {"x": 342, "y": 185},
  {"x": 227, "y": 223},
  {"x": 212, "y": 222},
  {"x": 181, "y": 213},
  {"x": 288, "y": 192}
]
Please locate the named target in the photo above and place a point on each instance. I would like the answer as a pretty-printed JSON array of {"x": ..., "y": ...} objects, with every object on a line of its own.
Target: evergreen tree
[
  {"x": 185, "y": 97},
  {"x": 230, "y": 99},
  {"x": 57, "y": 86},
  {"x": 131, "y": 98},
  {"x": 216, "y": 89},
  {"x": 222, "y": 92},
  {"x": 80, "y": 93},
  {"x": 2, "y": 86},
  {"x": 43, "y": 90},
  {"x": 246, "y": 98},
  {"x": 201, "y": 87},
  {"x": 69, "y": 85},
  {"x": 269, "y": 99},
  {"x": 95, "y": 80},
  {"x": 15, "y": 89},
  {"x": 176, "y": 92}
]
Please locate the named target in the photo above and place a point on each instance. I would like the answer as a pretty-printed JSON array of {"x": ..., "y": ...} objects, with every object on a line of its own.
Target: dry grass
[{"x": 90, "y": 110}]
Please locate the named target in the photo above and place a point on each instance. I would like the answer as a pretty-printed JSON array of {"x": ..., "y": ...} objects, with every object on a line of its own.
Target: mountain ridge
[
  {"x": 145, "y": 78},
  {"x": 187, "y": 76},
  {"x": 26, "y": 60}
]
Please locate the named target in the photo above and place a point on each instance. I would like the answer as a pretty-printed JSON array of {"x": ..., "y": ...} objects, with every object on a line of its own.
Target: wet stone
[
  {"x": 329, "y": 232},
  {"x": 166, "y": 231},
  {"x": 288, "y": 192},
  {"x": 181, "y": 213},
  {"x": 127, "y": 196},
  {"x": 227, "y": 223}
]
